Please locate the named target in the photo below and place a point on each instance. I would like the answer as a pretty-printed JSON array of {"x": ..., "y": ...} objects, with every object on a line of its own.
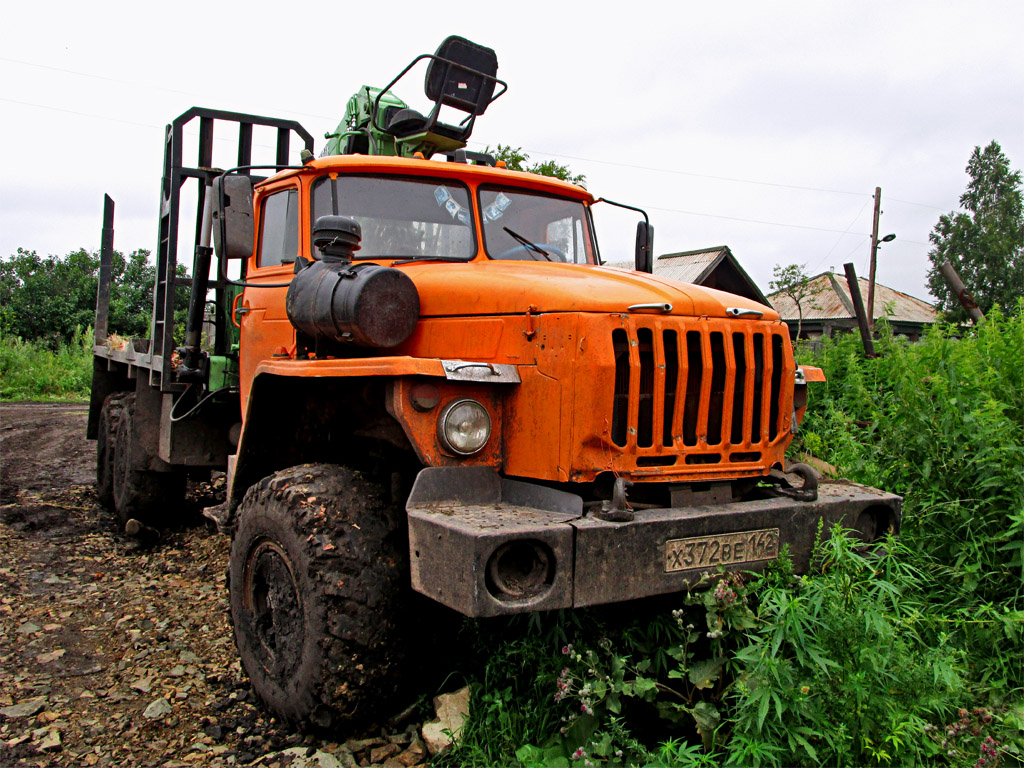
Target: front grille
[{"x": 703, "y": 390}]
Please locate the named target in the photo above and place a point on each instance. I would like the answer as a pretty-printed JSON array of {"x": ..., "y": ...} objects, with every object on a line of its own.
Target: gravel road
[{"x": 112, "y": 654}]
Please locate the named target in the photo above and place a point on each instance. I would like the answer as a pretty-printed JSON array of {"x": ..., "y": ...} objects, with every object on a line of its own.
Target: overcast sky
[{"x": 764, "y": 126}]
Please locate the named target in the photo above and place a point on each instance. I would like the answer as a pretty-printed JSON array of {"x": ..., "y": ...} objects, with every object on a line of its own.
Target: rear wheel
[
  {"x": 110, "y": 416},
  {"x": 140, "y": 493},
  {"x": 319, "y": 594}
]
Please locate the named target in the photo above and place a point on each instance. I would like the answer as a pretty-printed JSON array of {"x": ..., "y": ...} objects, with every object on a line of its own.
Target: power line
[
  {"x": 838, "y": 239},
  {"x": 81, "y": 114},
  {"x": 653, "y": 208},
  {"x": 750, "y": 221},
  {"x": 734, "y": 180},
  {"x": 700, "y": 175},
  {"x": 133, "y": 84},
  {"x": 107, "y": 118},
  {"x": 921, "y": 205}
]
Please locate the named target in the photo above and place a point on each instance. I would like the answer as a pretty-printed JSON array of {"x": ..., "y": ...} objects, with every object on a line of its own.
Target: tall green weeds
[
  {"x": 32, "y": 371},
  {"x": 913, "y": 655},
  {"x": 941, "y": 422}
]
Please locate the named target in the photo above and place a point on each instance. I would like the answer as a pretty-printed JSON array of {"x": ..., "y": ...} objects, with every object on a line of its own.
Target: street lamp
[{"x": 875, "y": 243}]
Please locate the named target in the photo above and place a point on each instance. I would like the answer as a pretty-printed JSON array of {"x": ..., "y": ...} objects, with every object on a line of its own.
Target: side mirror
[
  {"x": 233, "y": 229},
  {"x": 644, "y": 247}
]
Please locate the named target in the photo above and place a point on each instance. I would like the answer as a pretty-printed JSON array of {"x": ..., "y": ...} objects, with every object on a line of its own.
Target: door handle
[{"x": 237, "y": 310}]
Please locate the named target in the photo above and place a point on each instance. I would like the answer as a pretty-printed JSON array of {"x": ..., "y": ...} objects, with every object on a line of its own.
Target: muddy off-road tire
[
  {"x": 110, "y": 417},
  {"x": 149, "y": 496},
  {"x": 319, "y": 588}
]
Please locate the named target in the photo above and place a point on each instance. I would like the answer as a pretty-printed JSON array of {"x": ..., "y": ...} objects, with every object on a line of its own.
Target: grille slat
[
  {"x": 645, "y": 409},
  {"x": 671, "y": 351},
  {"x": 766, "y": 388}
]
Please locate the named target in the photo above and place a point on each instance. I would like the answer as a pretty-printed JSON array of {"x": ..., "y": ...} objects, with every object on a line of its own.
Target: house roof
[
  {"x": 713, "y": 267},
  {"x": 829, "y": 299},
  {"x": 691, "y": 266}
]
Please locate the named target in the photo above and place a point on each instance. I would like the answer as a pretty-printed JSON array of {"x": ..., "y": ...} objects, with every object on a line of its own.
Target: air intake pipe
[{"x": 362, "y": 304}]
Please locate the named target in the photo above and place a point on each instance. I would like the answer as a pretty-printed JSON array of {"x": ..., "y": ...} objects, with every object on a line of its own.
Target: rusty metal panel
[
  {"x": 626, "y": 561},
  {"x": 459, "y": 517},
  {"x": 195, "y": 442},
  {"x": 450, "y": 548}
]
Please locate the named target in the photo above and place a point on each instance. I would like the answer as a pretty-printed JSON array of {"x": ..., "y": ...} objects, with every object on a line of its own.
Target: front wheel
[{"x": 318, "y": 591}]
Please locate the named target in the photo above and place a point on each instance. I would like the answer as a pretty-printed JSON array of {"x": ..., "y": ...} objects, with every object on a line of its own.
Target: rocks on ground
[{"x": 113, "y": 654}]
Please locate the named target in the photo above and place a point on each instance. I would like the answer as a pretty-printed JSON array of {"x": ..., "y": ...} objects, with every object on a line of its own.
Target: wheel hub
[{"x": 272, "y": 597}]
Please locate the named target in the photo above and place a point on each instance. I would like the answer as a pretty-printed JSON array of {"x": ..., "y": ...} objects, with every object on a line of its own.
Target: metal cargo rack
[{"x": 155, "y": 354}]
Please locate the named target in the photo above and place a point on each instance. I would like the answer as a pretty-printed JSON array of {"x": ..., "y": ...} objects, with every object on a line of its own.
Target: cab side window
[{"x": 279, "y": 228}]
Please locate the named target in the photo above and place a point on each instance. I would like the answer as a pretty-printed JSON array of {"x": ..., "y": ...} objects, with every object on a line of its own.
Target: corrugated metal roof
[
  {"x": 830, "y": 300},
  {"x": 689, "y": 266},
  {"x": 621, "y": 264}
]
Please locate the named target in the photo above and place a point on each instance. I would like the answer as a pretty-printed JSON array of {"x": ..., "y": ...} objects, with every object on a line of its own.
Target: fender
[
  {"x": 323, "y": 410},
  {"x": 302, "y": 410}
]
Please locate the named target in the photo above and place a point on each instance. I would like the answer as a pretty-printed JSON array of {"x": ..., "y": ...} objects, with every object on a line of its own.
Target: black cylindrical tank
[{"x": 363, "y": 304}]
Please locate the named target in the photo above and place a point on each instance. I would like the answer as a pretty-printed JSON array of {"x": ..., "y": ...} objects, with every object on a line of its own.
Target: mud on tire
[
  {"x": 318, "y": 585},
  {"x": 110, "y": 417},
  {"x": 138, "y": 492}
]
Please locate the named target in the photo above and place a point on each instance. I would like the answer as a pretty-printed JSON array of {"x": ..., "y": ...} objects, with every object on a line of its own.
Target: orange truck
[{"x": 420, "y": 378}]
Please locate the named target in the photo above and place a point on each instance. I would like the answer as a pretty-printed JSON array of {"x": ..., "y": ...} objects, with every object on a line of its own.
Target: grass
[{"x": 31, "y": 371}]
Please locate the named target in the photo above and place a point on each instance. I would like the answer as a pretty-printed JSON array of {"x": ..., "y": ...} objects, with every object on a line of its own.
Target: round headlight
[{"x": 464, "y": 427}]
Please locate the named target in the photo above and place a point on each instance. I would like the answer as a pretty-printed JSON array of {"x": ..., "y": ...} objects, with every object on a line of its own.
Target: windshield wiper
[
  {"x": 412, "y": 259},
  {"x": 528, "y": 244}
]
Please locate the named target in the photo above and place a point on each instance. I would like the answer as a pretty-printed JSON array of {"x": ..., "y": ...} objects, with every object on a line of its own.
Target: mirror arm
[
  {"x": 644, "y": 255},
  {"x": 641, "y": 211}
]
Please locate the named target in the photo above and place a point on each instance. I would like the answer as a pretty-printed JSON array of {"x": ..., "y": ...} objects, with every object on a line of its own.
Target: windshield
[
  {"x": 400, "y": 218},
  {"x": 535, "y": 227}
]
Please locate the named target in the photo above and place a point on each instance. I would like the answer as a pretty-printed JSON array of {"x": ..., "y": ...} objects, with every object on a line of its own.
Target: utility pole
[{"x": 874, "y": 258}]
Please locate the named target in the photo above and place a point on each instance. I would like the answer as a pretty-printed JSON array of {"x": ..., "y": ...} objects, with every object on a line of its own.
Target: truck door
[{"x": 261, "y": 310}]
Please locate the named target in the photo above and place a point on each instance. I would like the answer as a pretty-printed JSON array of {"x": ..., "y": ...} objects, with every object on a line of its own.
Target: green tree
[
  {"x": 792, "y": 281},
  {"x": 47, "y": 299},
  {"x": 517, "y": 160},
  {"x": 985, "y": 240}
]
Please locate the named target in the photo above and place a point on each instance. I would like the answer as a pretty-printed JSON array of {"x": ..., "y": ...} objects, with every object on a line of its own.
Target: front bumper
[{"x": 485, "y": 545}]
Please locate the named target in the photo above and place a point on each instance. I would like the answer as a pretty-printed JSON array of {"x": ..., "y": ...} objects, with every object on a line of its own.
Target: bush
[
  {"x": 941, "y": 422},
  {"x": 33, "y": 371}
]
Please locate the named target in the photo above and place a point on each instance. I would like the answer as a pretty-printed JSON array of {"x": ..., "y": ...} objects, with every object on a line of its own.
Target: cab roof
[{"x": 415, "y": 167}]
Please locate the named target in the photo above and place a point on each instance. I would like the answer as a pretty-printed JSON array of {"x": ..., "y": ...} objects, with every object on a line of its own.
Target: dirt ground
[{"x": 114, "y": 654}]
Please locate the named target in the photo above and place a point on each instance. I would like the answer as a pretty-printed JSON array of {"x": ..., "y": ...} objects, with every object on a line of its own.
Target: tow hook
[
  {"x": 617, "y": 510},
  {"x": 807, "y": 492}
]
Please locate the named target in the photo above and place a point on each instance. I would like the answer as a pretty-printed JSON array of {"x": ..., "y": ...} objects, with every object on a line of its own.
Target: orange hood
[{"x": 511, "y": 287}]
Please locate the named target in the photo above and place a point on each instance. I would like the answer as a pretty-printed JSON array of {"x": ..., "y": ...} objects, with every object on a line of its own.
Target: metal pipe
[
  {"x": 961, "y": 292},
  {"x": 191, "y": 355}
]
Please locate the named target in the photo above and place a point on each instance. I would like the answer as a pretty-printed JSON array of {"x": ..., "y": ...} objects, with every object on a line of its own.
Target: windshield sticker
[
  {"x": 452, "y": 207},
  {"x": 492, "y": 212},
  {"x": 442, "y": 195},
  {"x": 463, "y": 216},
  {"x": 503, "y": 201}
]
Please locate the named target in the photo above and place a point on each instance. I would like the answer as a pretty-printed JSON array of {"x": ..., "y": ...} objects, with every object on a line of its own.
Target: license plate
[{"x": 723, "y": 549}]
